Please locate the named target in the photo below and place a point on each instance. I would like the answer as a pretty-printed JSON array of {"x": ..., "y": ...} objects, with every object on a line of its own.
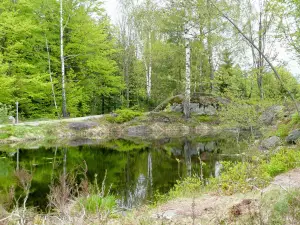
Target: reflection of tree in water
[
  {"x": 135, "y": 172},
  {"x": 141, "y": 190}
]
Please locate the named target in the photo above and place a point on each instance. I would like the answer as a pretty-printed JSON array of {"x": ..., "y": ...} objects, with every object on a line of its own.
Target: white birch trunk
[
  {"x": 187, "y": 73},
  {"x": 149, "y": 84},
  {"x": 62, "y": 58}
]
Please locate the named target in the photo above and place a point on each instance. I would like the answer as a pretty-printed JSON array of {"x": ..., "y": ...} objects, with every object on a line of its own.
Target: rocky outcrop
[
  {"x": 293, "y": 136},
  {"x": 82, "y": 125},
  {"x": 269, "y": 116},
  {"x": 270, "y": 143},
  {"x": 200, "y": 104}
]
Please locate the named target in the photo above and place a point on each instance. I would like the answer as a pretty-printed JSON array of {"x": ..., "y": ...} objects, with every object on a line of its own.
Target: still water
[{"x": 135, "y": 170}]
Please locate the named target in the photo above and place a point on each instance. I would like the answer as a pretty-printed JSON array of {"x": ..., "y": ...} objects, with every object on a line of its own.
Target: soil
[{"x": 214, "y": 209}]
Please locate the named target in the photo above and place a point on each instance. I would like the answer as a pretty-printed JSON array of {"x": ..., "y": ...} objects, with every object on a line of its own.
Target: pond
[{"x": 133, "y": 170}]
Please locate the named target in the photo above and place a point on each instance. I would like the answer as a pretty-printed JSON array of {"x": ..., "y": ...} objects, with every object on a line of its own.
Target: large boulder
[
  {"x": 270, "y": 142},
  {"x": 271, "y": 114},
  {"x": 210, "y": 110},
  {"x": 293, "y": 136}
]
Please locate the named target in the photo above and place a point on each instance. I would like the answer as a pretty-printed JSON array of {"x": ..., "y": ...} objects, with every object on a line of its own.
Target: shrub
[
  {"x": 240, "y": 177},
  {"x": 243, "y": 176},
  {"x": 282, "y": 162},
  {"x": 97, "y": 203},
  {"x": 123, "y": 115}
]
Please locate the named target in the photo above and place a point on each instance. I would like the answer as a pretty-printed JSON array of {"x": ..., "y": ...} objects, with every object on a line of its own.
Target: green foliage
[
  {"x": 5, "y": 112},
  {"x": 190, "y": 185},
  {"x": 204, "y": 118},
  {"x": 282, "y": 162},
  {"x": 95, "y": 203},
  {"x": 125, "y": 145},
  {"x": 287, "y": 126},
  {"x": 239, "y": 114},
  {"x": 241, "y": 177},
  {"x": 123, "y": 115}
]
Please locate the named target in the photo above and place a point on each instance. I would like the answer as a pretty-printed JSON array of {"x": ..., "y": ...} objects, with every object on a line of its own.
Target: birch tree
[
  {"x": 187, "y": 110},
  {"x": 144, "y": 20},
  {"x": 62, "y": 60}
]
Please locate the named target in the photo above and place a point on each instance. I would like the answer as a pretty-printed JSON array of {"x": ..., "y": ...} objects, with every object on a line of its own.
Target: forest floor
[{"x": 213, "y": 208}]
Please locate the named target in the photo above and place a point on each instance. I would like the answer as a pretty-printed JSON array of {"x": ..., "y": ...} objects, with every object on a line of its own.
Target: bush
[
  {"x": 5, "y": 112},
  {"x": 240, "y": 177},
  {"x": 282, "y": 162},
  {"x": 243, "y": 176},
  {"x": 123, "y": 115},
  {"x": 284, "y": 129}
]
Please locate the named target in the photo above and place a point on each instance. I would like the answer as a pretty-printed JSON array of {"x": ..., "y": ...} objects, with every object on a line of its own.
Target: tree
[{"x": 62, "y": 60}]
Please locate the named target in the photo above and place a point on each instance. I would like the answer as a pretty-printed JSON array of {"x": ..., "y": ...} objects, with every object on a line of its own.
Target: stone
[
  {"x": 270, "y": 115},
  {"x": 210, "y": 110},
  {"x": 200, "y": 147},
  {"x": 177, "y": 107},
  {"x": 270, "y": 142},
  {"x": 194, "y": 107},
  {"x": 176, "y": 151},
  {"x": 210, "y": 146},
  {"x": 82, "y": 125},
  {"x": 293, "y": 136}
]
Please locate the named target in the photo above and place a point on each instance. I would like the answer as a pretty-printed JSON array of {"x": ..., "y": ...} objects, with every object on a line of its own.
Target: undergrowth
[
  {"x": 239, "y": 177},
  {"x": 284, "y": 128}
]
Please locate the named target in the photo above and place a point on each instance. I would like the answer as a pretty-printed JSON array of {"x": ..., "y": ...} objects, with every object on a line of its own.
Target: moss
[
  {"x": 123, "y": 115},
  {"x": 204, "y": 118}
]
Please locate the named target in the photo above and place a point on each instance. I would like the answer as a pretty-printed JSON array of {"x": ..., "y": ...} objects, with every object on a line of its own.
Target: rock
[
  {"x": 176, "y": 151},
  {"x": 82, "y": 125},
  {"x": 177, "y": 107},
  {"x": 210, "y": 146},
  {"x": 210, "y": 110},
  {"x": 293, "y": 136},
  {"x": 270, "y": 142},
  {"x": 271, "y": 114},
  {"x": 200, "y": 147},
  {"x": 194, "y": 107}
]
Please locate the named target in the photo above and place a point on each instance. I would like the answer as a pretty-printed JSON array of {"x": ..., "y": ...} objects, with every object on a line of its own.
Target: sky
[{"x": 111, "y": 7}]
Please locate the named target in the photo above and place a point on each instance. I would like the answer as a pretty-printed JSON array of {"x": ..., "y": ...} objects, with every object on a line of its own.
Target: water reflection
[{"x": 135, "y": 169}]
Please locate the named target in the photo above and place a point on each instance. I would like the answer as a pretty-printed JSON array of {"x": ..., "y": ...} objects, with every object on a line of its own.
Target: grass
[
  {"x": 283, "y": 206},
  {"x": 95, "y": 203},
  {"x": 287, "y": 126}
]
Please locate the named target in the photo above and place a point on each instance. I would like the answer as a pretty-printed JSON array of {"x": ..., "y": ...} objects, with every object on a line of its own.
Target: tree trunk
[
  {"x": 62, "y": 59},
  {"x": 149, "y": 68},
  {"x": 50, "y": 74},
  {"x": 210, "y": 52},
  {"x": 126, "y": 72},
  {"x": 187, "y": 97},
  {"x": 260, "y": 59}
]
